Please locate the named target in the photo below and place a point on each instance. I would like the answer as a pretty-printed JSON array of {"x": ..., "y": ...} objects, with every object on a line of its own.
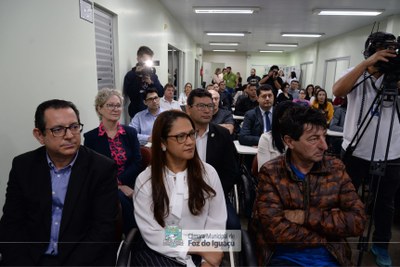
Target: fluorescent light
[
  {"x": 225, "y": 10},
  {"x": 240, "y": 34},
  {"x": 282, "y": 44},
  {"x": 271, "y": 51},
  {"x": 224, "y": 50},
  {"x": 302, "y": 34},
  {"x": 348, "y": 12},
  {"x": 225, "y": 44}
]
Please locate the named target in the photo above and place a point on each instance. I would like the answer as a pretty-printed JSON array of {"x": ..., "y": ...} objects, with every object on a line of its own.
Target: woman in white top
[
  {"x": 218, "y": 76},
  {"x": 271, "y": 145},
  {"x": 183, "y": 96},
  {"x": 178, "y": 191}
]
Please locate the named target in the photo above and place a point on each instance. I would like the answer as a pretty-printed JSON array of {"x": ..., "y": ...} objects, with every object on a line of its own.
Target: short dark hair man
[
  {"x": 246, "y": 101},
  {"x": 138, "y": 79},
  {"x": 306, "y": 204},
  {"x": 259, "y": 119},
  {"x": 273, "y": 79},
  {"x": 214, "y": 146},
  {"x": 379, "y": 48},
  {"x": 253, "y": 78},
  {"x": 61, "y": 201}
]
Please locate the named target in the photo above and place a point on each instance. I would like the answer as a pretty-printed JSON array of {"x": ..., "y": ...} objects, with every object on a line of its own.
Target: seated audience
[
  {"x": 167, "y": 102},
  {"x": 302, "y": 99},
  {"x": 309, "y": 92},
  {"x": 120, "y": 143},
  {"x": 183, "y": 96},
  {"x": 246, "y": 102},
  {"x": 294, "y": 89},
  {"x": 178, "y": 191},
  {"x": 226, "y": 97},
  {"x": 214, "y": 146},
  {"x": 339, "y": 115},
  {"x": 61, "y": 201},
  {"x": 271, "y": 145},
  {"x": 144, "y": 120},
  {"x": 306, "y": 205},
  {"x": 284, "y": 94},
  {"x": 222, "y": 117},
  {"x": 258, "y": 120},
  {"x": 322, "y": 104}
]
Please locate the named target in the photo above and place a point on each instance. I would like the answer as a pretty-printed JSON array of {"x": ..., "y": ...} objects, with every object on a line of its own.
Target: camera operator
[
  {"x": 137, "y": 80},
  {"x": 273, "y": 79},
  {"x": 379, "y": 50}
]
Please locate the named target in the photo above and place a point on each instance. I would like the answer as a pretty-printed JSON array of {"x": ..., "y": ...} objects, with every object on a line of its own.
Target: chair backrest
[
  {"x": 146, "y": 156},
  {"x": 254, "y": 167}
]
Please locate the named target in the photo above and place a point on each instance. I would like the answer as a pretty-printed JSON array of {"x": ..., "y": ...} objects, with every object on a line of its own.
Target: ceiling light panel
[
  {"x": 288, "y": 34},
  {"x": 224, "y": 50},
  {"x": 235, "y": 34},
  {"x": 225, "y": 10},
  {"x": 348, "y": 12},
  {"x": 282, "y": 44},
  {"x": 224, "y": 44},
  {"x": 271, "y": 51}
]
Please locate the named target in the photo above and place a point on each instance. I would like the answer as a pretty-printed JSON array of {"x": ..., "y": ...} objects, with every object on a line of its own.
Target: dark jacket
[
  {"x": 333, "y": 210},
  {"x": 131, "y": 145},
  {"x": 252, "y": 128},
  {"x": 87, "y": 229},
  {"x": 221, "y": 155},
  {"x": 134, "y": 89},
  {"x": 244, "y": 104}
]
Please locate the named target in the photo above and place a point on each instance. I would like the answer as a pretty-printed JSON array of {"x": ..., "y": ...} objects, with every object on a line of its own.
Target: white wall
[{"x": 47, "y": 51}]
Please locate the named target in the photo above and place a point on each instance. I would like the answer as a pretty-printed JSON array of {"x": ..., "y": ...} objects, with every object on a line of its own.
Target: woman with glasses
[
  {"x": 183, "y": 96},
  {"x": 120, "y": 143},
  {"x": 177, "y": 192}
]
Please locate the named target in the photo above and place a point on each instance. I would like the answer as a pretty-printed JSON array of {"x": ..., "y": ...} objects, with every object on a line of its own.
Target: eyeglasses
[
  {"x": 152, "y": 98},
  {"x": 203, "y": 107},
  {"x": 60, "y": 131},
  {"x": 113, "y": 106},
  {"x": 182, "y": 137}
]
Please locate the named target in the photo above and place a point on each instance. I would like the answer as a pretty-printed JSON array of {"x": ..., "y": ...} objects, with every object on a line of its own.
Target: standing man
[
  {"x": 306, "y": 204},
  {"x": 379, "y": 49},
  {"x": 214, "y": 146},
  {"x": 230, "y": 80},
  {"x": 144, "y": 120},
  {"x": 137, "y": 80},
  {"x": 259, "y": 119},
  {"x": 253, "y": 78},
  {"x": 168, "y": 102},
  {"x": 273, "y": 79},
  {"x": 61, "y": 201}
]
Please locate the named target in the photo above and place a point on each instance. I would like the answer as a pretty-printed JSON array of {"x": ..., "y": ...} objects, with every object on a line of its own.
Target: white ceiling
[{"x": 273, "y": 18}]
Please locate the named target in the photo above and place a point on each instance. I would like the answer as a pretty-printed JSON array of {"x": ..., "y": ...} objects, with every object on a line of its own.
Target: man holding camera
[
  {"x": 367, "y": 79},
  {"x": 273, "y": 79},
  {"x": 137, "y": 80}
]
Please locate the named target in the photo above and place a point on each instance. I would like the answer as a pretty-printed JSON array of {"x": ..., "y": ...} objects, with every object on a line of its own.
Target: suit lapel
[{"x": 76, "y": 181}]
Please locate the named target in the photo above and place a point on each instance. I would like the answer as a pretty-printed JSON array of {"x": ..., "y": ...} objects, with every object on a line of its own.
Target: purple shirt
[{"x": 59, "y": 185}]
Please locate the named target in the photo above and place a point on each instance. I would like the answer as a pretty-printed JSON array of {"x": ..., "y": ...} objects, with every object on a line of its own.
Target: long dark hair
[
  {"x": 325, "y": 104},
  {"x": 199, "y": 190}
]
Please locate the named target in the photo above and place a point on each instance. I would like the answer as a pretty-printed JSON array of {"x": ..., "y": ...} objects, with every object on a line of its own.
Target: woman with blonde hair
[{"x": 120, "y": 143}]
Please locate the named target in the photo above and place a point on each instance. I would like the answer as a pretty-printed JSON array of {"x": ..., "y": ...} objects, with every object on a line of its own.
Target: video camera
[
  {"x": 393, "y": 65},
  {"x": 146, "y": 68}
]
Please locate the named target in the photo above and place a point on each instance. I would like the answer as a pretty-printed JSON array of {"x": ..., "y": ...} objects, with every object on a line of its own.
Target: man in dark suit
[
  {"x": 214, "y": 146},
  {"x": 61, "y": 200},
  {"x": 259, "y": 119}
]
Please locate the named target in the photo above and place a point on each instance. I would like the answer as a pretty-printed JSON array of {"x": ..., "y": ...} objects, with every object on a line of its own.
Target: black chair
[
  {"x": 126, "y": 248},
  {"x": 247, "y": 191},
  {"x": 247, "y": 256}
]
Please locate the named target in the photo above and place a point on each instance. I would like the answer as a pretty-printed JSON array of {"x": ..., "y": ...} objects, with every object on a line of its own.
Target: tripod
[{"x": 385, "y": 97}]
